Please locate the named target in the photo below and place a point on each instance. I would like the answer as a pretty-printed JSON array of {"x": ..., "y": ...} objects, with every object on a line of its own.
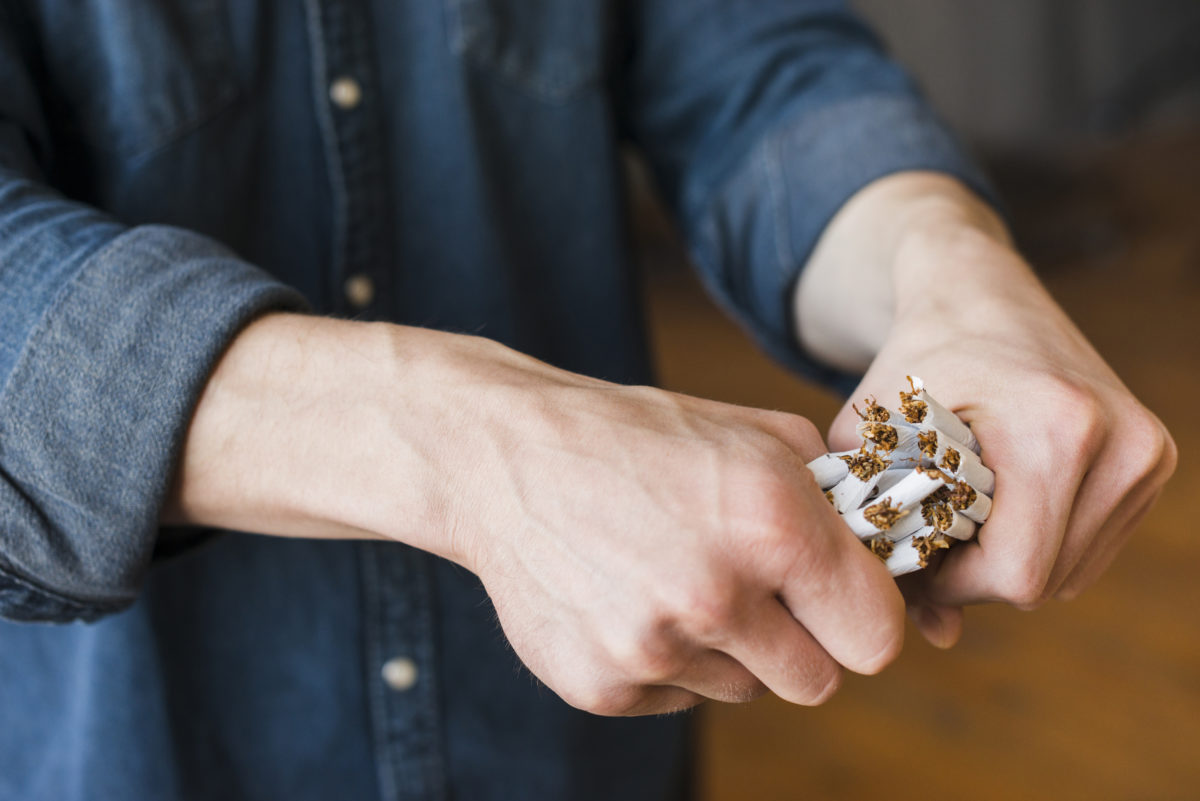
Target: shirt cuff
[
  {"x": 764, "y": 224},
  {"x": 96, "y": 410}
]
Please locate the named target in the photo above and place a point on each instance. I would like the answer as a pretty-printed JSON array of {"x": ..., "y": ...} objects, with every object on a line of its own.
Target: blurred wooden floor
[{"x": 1097, "y": 699}]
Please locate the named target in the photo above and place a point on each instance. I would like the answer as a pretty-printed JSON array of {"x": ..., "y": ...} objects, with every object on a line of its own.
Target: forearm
[
  {"x": 623, "y": 533},
  {"x": 313, "y": 427}
]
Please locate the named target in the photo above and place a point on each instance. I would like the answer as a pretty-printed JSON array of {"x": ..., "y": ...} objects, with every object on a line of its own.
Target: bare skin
[
  {"x": 1078, "y": 459},
  {"x": 646, "y": 550}
]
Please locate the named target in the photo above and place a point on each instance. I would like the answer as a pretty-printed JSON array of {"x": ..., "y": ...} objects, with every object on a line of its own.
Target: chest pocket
[
  {"x": 552, "y": 49},
  {"x": 135, "y": 75}
]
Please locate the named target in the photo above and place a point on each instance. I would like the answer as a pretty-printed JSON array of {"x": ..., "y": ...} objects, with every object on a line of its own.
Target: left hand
[{"x": 1078, "y": 460}]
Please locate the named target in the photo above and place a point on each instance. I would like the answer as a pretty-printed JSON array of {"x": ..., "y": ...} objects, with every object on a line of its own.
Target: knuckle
[
  {"x": 1076, "y": 405},
  {"x": 804, "y": 432},
  {"x": 705, "y": 610},
  {"x": 794, "y": 431},
  {"x": 766, "y": 512},
  {"x": 607, "y": 702},
  {"x": 1170, "y": 454},
  {"x": 802, "y": 426},
  {"x": 1021, "y": 589},
  {"x": 1150, "y": 448},
  {"x": 1080, "y": 424},
  {"x": 644, "y": 655}
]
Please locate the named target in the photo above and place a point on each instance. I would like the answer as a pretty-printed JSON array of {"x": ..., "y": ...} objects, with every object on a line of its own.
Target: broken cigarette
[
  {"x": 863, "y": 471},
  {"x": 918, "y": 407},
  {"x": 915, "y": 486},
  {"x": 971, "y": 504},
  {"x": 829, "y": 469},
  {"x": 899, "y": 439}
]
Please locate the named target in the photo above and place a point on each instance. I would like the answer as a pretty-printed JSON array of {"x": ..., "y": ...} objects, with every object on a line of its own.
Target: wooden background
[{"x": 1097, "y": 699}]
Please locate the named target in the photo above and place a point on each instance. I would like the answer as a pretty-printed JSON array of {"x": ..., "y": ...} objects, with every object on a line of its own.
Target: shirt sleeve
[
  {"x": 759, "y": 121},
  {"x": 107, "y": 336}
]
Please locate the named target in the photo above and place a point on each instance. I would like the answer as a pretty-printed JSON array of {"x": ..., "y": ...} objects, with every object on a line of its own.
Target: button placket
[
  {"x": 399, "y": 675},
  {"x": 348, "y": 103}
]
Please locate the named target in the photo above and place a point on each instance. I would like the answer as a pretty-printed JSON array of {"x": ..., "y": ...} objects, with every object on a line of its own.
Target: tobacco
[{"x": 914, "y": 486}]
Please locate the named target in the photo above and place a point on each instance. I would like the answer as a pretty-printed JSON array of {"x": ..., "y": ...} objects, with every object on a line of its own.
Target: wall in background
[{"x": 1016, "y": 73}]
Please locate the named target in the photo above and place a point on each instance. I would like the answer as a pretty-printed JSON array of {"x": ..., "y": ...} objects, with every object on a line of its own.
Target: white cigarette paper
[
  {"x": 913, "y": 553},
  {"x": 890, "y": 478},
  {"x": 962, "y": 529},
  {"x": 969, "y": 468},
  {"x": 864, "y": 469},
  {"x": 878, "y": 518},
  {"x": 829, "y": 469},
  {"x": 851, "y": 492},
  {"x": 970, "y": 503},
  {"x": 903, "y": 558},
  {"x": 918, "y": 407},
  {"x": 915, "y": 487},
  {"x": 891, "y": 438},
  {"x": 884, "y": 519}
]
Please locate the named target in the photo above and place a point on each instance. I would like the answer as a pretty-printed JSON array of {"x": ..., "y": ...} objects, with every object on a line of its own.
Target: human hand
[
  {"x": 646, "y": 550},
  {"x": 1078, "y": 460}
]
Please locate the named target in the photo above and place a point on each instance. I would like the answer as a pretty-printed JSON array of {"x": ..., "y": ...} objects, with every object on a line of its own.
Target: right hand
[{"x": 646, "y": 550}]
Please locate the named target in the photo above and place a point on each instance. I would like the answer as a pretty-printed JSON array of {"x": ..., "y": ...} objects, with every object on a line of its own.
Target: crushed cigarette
[
  {"x": 927, "y": 545},
  {"x": 891, "y": 438},
  {"x": 919, "y": 405},
  {"x": 937, "y": 514},
  {"x": 865, "y": 465},
  {"x": 864, "y": 469},
  {"x": 903, "y": 558},
  {"x": 915, "y": 486},
  {"x": 884, "y": 514},
  {"x": 874, "y": 412},
  {"x": 828, "y": 469},
  {"x": 881, "y": 546}
]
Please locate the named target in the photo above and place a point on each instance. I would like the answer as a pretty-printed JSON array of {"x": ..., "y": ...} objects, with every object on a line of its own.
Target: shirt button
[
  {"x": 360, "y": 290},
  {"x": 400, "y": 673},
  {"x": 345, "y": 93}
]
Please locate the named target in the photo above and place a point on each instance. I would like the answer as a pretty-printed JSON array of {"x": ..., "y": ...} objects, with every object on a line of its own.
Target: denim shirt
[{"x": 170, "y": 170}]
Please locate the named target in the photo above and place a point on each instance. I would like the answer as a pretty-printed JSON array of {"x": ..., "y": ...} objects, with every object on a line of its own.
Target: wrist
[
  {"x": 312, "y": 427},
  {"x": 888, "y": 241}
]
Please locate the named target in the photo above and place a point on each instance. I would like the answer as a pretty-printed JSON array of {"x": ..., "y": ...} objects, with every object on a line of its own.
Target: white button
[
  {"x": 400, "y": 673},
  {"x": 360, "y": 290},
  {"x": 345, "y": 93}
]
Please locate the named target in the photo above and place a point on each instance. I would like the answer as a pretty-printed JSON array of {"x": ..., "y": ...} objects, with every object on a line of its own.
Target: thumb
[{"x": 842, "y": 436}]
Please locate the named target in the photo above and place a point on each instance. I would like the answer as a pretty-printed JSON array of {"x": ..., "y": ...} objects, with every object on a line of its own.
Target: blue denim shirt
[{"x": 169, "y": 170}]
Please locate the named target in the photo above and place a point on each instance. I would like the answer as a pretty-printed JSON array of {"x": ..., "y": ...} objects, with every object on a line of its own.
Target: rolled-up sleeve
[
  {"x": 760, "y": 120},
  {"x": 107, "y": 336}
]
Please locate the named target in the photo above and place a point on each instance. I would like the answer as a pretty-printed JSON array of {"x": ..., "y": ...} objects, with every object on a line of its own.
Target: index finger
[
  {"x": 1014, "y": 554},
  {"x": 844, "y": 596}
]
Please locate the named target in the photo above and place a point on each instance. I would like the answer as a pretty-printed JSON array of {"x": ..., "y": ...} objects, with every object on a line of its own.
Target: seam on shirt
[
  {"x": 772, "y": 161},
  {"x": 84, "y": 608},
  {"x": 324, "y": 115}
]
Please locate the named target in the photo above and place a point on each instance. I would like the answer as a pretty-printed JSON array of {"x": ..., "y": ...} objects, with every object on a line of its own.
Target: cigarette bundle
[{"x": 915, "y": 486}]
